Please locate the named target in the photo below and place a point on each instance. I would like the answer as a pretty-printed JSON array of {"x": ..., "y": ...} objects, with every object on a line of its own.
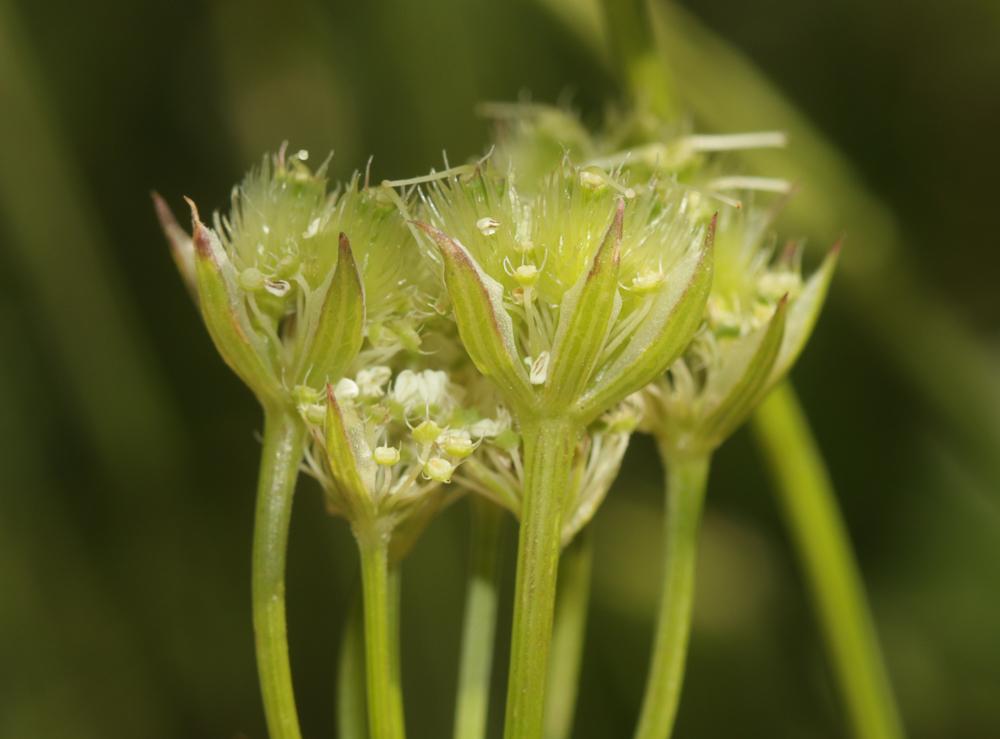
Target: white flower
[
  {"x": 372, "y": 381},
  {"x": 488, "y": 428},
  {"x": 346, "y": 389},
  {"x": 417, "y": 391}
]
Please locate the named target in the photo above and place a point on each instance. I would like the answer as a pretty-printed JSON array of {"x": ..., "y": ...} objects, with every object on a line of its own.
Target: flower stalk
[
  {"x": 284, "y": 440},
  {"x": 549, "y": 446},
  {"x": 479, "y": 629},
  {"x": 808, "y": 504},
  {"x": 385, "y": 696},
  {"x": 352, "y": 714},
  {"x": 568, "y": 636},
  {"x": 686, "y": 477}
]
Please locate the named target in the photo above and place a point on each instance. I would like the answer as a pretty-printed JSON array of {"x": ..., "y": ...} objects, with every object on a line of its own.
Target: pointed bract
[
  {"x": 181, "y": 245},
  {"x": 483, "y": 322},
  {"x": 338, "y": 331},
  {"x": 669, "y": 325},
  {"x": 736, "y": 391},
  {"x": 803, "y": 315},
  {"x": 586, "y": 315},
  {"x": 225, "y": 314}
]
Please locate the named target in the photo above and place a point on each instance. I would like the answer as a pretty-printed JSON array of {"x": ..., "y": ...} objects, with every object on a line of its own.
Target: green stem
[
  {"x": 810, "y": 508},
  {"x": 351, "y": 718},
  {"x": 548, "y": 457},
  {"x": 632, "y": 42},
  {"x": 686, "y": 479},
  {"x": 381, "y": 596},
  {"x": 284, "y": 438},
  {"x": 479, "y": 629},
  {"x": 568, "y": 635}
]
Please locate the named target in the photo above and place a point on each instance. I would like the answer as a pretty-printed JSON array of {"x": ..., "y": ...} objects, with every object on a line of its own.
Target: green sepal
[
  {"x": 343, "y": 445},
  {"x": 223, "y": 308},
  {"x": 803, "y": 314},
  {"x": 735, "y": 390},
  {"x": 586, "y": 314},
  {"x": 673, "y": 318},
  {"x": 484, "y": 325},
  {"x": 337, "y": 331}
]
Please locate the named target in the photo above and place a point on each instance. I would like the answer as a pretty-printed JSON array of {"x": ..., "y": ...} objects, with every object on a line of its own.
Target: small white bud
[
  {"x": 438, "y": 469},
  {"x": 647, "y": 281},
  {"x": 526, "y": 275},
  {"x": 592, "y": 180},
  {"x": 314, "y": 413},
  {"x": 251, "y": 279},
  {"x": 277, "y": 288},
  {"x": 386, "y": 456},
  {"x": 426, "y": 432},
  {"x": 346, "y": 389},
  {"x": 488, "y": 226},
  {"x": 456, "y": 443},
  {"x": 312, "y": 229},
  {"x": 539, "y": 371}
]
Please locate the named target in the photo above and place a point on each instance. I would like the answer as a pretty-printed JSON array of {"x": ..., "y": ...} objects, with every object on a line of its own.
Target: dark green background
[{"x": 129, "y": 450}]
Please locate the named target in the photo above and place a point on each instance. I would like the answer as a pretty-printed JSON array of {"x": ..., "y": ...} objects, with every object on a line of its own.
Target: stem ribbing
[
  {"x": 548, "y": 457},
  {"x": 568, "y": 635},
  {"x": 686, "y": 479},
  {"x": 479, "y": 629},
  {"x": 385, "y": 698},
  {"x": 284, "y": 438}
]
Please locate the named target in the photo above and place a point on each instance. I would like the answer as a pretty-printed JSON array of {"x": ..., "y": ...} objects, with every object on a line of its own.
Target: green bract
[
  {"x": 294, "y": 277},
  {"x": 573, "y": 296},
  {"x": 758, "y": 318}
]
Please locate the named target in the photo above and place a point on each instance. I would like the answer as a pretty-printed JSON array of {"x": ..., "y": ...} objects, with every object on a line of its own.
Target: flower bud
[
  {"x": 438, "y": 469},
  {"x": 386, "y": 456}
]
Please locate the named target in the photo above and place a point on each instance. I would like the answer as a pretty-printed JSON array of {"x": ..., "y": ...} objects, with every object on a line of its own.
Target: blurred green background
[{"x": 128, "y": 451}]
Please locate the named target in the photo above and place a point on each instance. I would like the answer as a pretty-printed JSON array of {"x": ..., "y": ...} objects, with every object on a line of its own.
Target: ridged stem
[
  {"x": 686, "y": 479},
  {"x": 284, "y": 438},
  {"x": 568, "y": 635},
  {"x": 810, "y": 509},
  {"x": 548, "y": 456},
  {"x": 479, "y": 629},
  {"x": 381, "y": 600},
  {"x": 352, "y": 720}
]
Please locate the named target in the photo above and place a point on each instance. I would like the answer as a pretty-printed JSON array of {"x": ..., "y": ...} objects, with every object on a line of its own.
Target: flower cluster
[
  {"x": 758, "y": 319},
  {"x": 294, "y": 279},
  {"x": 575, "y": 292},
  {"x": 385, "y": 444}
]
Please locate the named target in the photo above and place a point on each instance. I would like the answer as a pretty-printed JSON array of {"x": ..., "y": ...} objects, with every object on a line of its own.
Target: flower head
[
  {"x": 552, "y": 288},
  {"x": 758, "y": 318},
  {"x": 294, "y": 277}
]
